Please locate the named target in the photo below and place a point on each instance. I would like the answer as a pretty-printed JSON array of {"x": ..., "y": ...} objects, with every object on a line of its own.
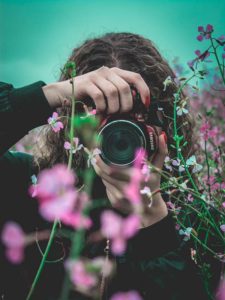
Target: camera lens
[{"x": 119, "y": 141}]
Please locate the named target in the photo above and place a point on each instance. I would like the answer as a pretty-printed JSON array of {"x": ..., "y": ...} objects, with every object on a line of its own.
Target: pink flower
[
  {"x": 221, "y": 291},
  {"x": 56, "y": 125},
  {"x": 85, "y": 274},
  {"x": 204, "y": 33},
  {"x": 119, "y": 229},
  {"x": 190, "y": 198},
  {"x": 132, "y": 189},
  {"x": 77, "y": 219},
  {"x": 56, "y": 193},
  {"x": 200, "y": 57},
  {"x": 13, "y": 237},
  {"x": 131, "y": 295},
  {"x": 80, "y": 276},
  {"x": 209, "y": 132},
  {"x": 74, "y": 147}
]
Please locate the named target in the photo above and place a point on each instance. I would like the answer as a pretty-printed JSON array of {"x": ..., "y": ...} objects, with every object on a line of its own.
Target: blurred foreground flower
[
  {"x": 131, "y": 295},
  {"x": 85, "y": 274},
  {"x": 13, "y": 237},
  {"x": 132, "y": 189},
  {"x": 59, "y": 199},
  {"x": 119, "y": 229},
  {"x": 221, "y": 290}
]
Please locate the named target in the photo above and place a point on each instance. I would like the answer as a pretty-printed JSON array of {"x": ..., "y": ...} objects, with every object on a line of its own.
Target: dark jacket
[{"x": 157, "y": 262}]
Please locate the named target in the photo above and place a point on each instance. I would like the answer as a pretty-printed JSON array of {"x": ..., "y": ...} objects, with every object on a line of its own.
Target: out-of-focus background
[{"x": 36, "y": 37}]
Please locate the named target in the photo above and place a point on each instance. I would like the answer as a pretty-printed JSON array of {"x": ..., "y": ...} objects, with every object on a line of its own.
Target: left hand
[{"x": 115, "y": 179}]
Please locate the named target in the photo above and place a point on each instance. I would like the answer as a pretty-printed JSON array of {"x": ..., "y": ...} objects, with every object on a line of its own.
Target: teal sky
[{"x": 36, "y": 37}]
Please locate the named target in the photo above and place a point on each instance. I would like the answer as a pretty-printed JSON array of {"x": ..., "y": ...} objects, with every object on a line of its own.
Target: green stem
[
  {"x": 217, "y": 59},
  {"x": 56, "y": 222},
  {"x": 43, "y": 260},
  {"x": 72, "y": 126}
]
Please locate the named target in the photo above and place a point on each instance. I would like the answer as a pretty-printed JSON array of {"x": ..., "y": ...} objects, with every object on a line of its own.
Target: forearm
[{"x": 21, "y": 110}]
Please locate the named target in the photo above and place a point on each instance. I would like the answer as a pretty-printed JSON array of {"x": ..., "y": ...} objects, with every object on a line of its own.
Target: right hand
[{"x": 103, "y": 84}]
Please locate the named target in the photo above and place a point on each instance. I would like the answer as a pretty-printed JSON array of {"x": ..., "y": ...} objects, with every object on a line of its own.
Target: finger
[
  {"x": 96, "y": 94},
  {"x": 112, "y": 172},
  {"x": 111, "y": 93},
  {"x": 113, "y": 190},
  {"x": 137, "y": 80},
  {"x": 104, "y": 172},
  {"x": 158, "y": 160},
  {"x": 125, "y": 95}
]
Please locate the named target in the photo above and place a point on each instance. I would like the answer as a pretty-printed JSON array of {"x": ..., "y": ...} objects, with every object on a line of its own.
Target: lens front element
[{"x": 119, "y": 141}]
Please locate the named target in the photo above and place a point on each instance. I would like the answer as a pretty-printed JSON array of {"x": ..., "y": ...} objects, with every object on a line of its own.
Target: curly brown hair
[{"x": 127, "y": 51}]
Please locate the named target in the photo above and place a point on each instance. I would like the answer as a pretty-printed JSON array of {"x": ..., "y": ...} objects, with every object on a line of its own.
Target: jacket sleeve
[
  {"x": 161, "y": 264},
  {"x": 21, "y": 109}
]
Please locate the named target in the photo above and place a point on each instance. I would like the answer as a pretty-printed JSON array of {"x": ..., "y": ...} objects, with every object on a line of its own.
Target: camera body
[{"x": 121, "y": 135}]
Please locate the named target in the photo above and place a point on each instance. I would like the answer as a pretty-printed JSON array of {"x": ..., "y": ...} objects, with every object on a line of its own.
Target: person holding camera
[{"x": 107, "y": 67}]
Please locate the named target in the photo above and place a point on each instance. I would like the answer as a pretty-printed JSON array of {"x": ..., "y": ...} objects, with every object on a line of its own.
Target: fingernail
[
  {"x": 165, "y": 136},
  {"x": 147, "y": 101}
]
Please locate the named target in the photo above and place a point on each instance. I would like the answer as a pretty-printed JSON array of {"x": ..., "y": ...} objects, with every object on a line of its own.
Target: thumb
[{"x": 162, "y": 152}]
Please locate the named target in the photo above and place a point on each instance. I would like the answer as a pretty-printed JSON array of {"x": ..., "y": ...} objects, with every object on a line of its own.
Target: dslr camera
[{"x": 120, "y": 135}]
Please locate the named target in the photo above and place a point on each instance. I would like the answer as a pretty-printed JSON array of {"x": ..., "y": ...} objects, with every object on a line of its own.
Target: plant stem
[
  {"x": 217, "y": 59},
  {"x": 44, "y": 257}
]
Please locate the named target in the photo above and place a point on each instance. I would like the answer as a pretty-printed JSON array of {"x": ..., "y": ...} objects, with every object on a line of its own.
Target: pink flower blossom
[
  {"x": 56, "y": 125},
  {"x": 190, "y": 198},
  {"x": 119, "y": 229},
  {"x": 13, "y": 237},
  {"x": 207, "y": 132},
  {"x": 131, "y": 295},
  {"x": 132, "y": 189},
  {"x": 200, "y": 57},
  {"x": 220, "y": 295},
  {"x": 86, "y": 273},
  {"x": 74, "y": 147},
  {"x": 204, "y": 33},
  {"x": 79, "y": 275},
  {"x": 56, "y": 193}
]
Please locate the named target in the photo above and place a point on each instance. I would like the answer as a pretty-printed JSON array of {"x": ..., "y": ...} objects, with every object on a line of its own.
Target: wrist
[
  {"x": 155, "y": 209},
  {"x": 52, "y": 94}
]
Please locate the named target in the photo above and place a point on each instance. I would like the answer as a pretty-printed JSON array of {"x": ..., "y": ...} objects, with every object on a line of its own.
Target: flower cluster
[{"x": 58, "y": 198}]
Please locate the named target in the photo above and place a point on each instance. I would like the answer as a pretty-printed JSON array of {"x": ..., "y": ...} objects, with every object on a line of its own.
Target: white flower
[
  {"x": 167, "y": 163},
  {"x": 89, "y": 113},
  {"x": 34, "y": 179},
  {"x": 186, "y": 233},
  {"x": 167, "y": 82},
  {"x": 145, "y": 191},
  {"x": 74, "y": 148},
  {"x": 191, "y": 161},
  {"x": 181, "y": 109},
  {"x": 176, "y": 162},
  {"x": 91, "y": 156},
  {"x": 183, "y": 187},
  {"x": 173, "y": 181}
]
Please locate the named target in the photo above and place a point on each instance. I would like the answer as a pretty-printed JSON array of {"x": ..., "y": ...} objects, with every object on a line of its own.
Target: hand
[
  {"x": 108, "y": 87},
  {"x": 115, "y": 179}
]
